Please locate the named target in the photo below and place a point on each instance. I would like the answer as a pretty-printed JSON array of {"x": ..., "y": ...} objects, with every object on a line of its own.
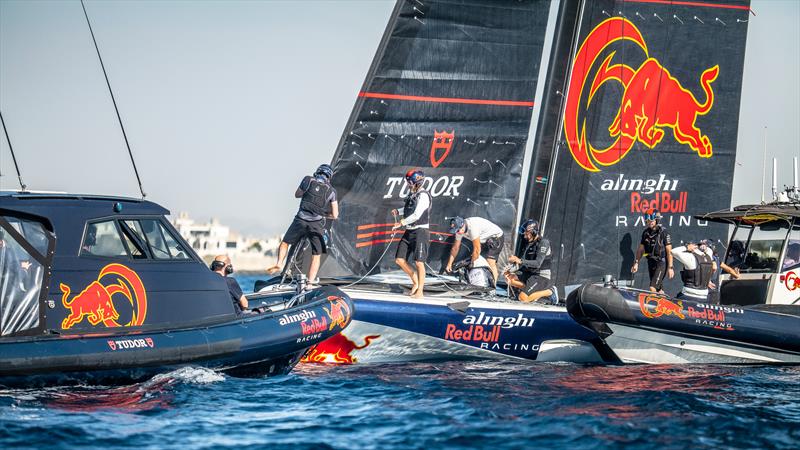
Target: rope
[{"x": 380, "y": 258}]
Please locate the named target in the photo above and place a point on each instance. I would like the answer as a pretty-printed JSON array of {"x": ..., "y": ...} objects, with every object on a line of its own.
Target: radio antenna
[
  {"x": 763, "y": 164},
  {"x": 113, "y": 100},
  {"x": 13, "y": 156}
]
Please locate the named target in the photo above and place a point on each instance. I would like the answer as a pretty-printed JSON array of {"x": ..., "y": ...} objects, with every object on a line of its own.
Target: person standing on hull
[
  {"x": 318, "y": 197},
  {"x": 415, "y": 213},
  {"x": 486, "y": 238},
  {"x": 656, "y": 245},
  {"x": 698, "y": 268},
  {"x": 533, "y": 277}
]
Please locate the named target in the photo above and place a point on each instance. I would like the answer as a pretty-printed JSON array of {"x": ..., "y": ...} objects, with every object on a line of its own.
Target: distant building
[{"x": 212, "y": 238}]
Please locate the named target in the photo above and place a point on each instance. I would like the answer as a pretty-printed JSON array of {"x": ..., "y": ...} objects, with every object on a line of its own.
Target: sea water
[{"x": 475, "y": 404}]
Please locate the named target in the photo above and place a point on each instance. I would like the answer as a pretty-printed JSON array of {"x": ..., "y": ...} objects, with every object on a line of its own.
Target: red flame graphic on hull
[{"x": 336, "y": 350}]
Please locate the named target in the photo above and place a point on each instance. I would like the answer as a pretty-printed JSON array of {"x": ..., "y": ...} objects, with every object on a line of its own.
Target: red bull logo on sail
[
  {"x": 96, "y": 302},
  {"x": 653, "y": 100}
]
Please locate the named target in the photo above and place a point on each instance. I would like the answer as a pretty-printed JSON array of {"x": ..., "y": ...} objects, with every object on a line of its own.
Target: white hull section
[
  {"x": 397, "y": 345},
  {"x": 637, "y": 345}
]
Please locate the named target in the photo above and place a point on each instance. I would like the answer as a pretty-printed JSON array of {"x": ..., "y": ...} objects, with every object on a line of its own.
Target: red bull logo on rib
[
  {"x": 339, "y": 313},
  {"x": 653, "y": 306},
  {"x": 652, "y": 101},
  {"x": 96, "y": 303}
]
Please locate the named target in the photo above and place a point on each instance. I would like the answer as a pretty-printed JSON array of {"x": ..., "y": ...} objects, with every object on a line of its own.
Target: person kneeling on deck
[
  {"x": 222, "y": 265},
  {"x": 486, "y": 238},
  {"x": 317, "y": 198},
  {"x": 698, "y": 268},
  {"x": 416, "y": 219},
  {"x": 533, "y": 277}
]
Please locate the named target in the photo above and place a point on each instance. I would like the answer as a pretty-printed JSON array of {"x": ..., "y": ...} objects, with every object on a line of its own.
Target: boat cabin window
[
  {"x": 162, "y": 243},
  {"x": 791, "y": 260},
  {"x": 758, "y": 249},
  {"x": 21, "y": 274},
  {"x": 137, "y": 238},
  {"x": 103, "y": 239}
]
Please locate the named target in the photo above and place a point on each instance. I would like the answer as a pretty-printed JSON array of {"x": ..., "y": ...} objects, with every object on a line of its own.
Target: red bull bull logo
[
  {"x": 97, "y": 305},
  {"x": 653, "y": 100},
  {"x": 792, "y": 281},
  {"x": 653, "y": 306},
  {"x": 336, "y": 350},
  {"x": 339, "y": 312},
  {"x": 440, "y": 148}
]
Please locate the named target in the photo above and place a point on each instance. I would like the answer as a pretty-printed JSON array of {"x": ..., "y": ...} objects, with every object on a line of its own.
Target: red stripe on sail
[
  {"x": 374, "y": 225},
  {"x": 376, "y": 241},
  {"x": 383, "y": 241},
  {"x": 468, "y": 101},
  {"x": 700, "y": 4}
]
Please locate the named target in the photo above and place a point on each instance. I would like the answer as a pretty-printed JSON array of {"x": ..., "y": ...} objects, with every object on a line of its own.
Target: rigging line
[
  {"x": 114, "y": 101},
  {"x": 380, "y": 258},
  {"x": 13, "y": 156}
]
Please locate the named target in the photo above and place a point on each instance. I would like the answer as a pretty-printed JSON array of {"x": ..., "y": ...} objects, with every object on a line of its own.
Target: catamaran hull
[
  {"x": 643, "y": 327},
  {"x": 386, "y": 329}
]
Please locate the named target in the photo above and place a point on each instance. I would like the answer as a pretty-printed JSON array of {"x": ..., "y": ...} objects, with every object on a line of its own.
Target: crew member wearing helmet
[
  {"x": 486, "y": 238},
  {"x": 318, "y": 201},
  {"x": 656, "y": 245},
  {"x": 415, "y": 215},
  {"x": 533, "y": 276},
  {"x": 698, "y": 268}
]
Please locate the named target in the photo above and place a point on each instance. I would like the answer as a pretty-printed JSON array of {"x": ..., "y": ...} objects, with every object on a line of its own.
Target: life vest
[
  {"x": 699, "y": 277},
  {"x": 315, "y": 198},
  {"x": 532, "y": 252},
  {"x": 411, "y": 205}
]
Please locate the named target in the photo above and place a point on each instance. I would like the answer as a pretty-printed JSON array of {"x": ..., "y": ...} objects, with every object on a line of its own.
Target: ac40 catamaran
[{"x": 516, "y": 110}]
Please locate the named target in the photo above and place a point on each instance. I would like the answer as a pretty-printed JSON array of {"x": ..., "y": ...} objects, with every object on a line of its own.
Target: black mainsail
[
  {"x": 648, "y": 121},
  {"x": 451, "y": 91}
]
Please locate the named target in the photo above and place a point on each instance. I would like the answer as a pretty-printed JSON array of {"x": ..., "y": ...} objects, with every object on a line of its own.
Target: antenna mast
[
  {"x": 13, "y": 156},
  {"x": 763, "y": 164},
  {"x": 113, "y": 100}
]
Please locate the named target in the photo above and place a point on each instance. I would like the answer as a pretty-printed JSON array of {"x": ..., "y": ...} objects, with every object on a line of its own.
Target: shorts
[
  {"x": 492, "y": 247},
  {"x": 418, "y": 241},
  {"x": 657, "y": 269},
  {"x": 313, "y": 231},
  {"x": 536, "y": 283}
]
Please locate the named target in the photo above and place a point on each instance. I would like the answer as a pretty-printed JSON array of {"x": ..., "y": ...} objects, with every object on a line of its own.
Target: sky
[{"x": 227, "y": 105}]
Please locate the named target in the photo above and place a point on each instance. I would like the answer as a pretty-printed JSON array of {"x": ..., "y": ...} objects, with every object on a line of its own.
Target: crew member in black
[
  {"x": 533, "y": 278},
  {"x": 318, "y": 198},
  {"x": 222, "y": 265},
  {"x": 656, "y": 244},
  {"x": 415, "y": 214}
]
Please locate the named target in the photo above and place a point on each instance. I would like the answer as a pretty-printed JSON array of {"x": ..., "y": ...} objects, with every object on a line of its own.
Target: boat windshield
[
  {"x": 758, "y": 249},
  {"x": 21, "y": 273},
  {"x": 791, "y": 258}
]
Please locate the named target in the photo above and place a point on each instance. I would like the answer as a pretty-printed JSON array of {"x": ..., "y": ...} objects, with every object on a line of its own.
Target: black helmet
[
  {"x": 531, "y": 226},
  {"x": 326, "y": 170}
]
